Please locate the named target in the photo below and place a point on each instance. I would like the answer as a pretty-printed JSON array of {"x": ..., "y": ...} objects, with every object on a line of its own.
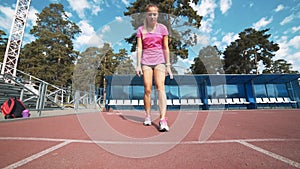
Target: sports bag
[{"x": 13, "y": 108}]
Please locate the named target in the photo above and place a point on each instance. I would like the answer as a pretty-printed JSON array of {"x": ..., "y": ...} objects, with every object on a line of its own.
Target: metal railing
[{"x": 45, "y": 93}]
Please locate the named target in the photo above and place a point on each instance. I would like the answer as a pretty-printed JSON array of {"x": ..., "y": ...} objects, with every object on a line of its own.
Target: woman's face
[{"x": 152, "y": 15}]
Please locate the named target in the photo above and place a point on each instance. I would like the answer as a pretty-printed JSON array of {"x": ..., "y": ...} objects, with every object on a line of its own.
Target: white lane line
[
  {"x": 271, "y": 154},
  {"x": 233, "y": 141},
  {"x": 45, "y": 139},
  {"x": 35, "y": 156},
  {"x": 145, "y": 142},
  {"x": 68, "y": 141}
]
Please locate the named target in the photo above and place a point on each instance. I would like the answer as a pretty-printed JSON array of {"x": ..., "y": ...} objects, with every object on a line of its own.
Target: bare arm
[
  {"x": 138, "y": 69},
  {"x": 166, "y": 50},
  {"x": 167, "y": 56}
]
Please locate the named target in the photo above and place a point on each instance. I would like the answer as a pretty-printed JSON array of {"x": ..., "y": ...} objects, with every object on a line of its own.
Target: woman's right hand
[{"x": 138, "y": 70}]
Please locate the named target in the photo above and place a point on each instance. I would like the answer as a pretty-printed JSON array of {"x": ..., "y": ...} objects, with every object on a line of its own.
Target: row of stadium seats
[
  {"x": 178, "y": 102},
  {"x": 275, "y": 100},
  {"x": 198, "y": 102}
]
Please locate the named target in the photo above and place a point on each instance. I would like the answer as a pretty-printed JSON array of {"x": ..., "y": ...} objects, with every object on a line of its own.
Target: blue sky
[{"x": 103, "y": 21}]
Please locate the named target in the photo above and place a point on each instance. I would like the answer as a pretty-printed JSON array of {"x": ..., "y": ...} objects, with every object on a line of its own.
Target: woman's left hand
[{"x": 169, "y": 71}]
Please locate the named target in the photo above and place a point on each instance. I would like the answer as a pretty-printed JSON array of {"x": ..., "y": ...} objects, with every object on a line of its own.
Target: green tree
[
  {"x": 280, "y": 66},
  {"x": 51, "y": 56},
  {"x": 85, "y": 70},
  {"x": 208, "y": 61},
  {"x": 243, "y": 55},
  {"x": 125, "y": 63},
  {"x": 180, "y": 19},
  {"x": 95, "y": 63},
  {"x": 3, "y": 44},
  {"x": 109, "y": 61},
  {"x": 33, "y": 60}
]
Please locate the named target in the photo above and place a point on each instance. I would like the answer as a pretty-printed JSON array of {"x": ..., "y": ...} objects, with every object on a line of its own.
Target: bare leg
[
  {"x": 147, "y": 74},
  {"x": 159, "y": 77}
]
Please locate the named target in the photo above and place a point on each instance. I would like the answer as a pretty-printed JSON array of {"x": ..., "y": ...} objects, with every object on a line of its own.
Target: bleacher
[
  {"x": 22, "y": 92},
  {"x": 8, "y": 90},
  {"x": 32, "y": 93},
  {"x": 209, "y": 92},
  {"x": 38, "y": 95}
]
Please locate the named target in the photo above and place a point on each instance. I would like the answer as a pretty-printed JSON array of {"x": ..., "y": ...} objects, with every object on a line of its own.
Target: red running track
[{"x": 206, "y": 139}]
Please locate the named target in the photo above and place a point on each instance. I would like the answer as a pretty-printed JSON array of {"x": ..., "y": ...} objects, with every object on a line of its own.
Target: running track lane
[{"x": 242, "y": 139}]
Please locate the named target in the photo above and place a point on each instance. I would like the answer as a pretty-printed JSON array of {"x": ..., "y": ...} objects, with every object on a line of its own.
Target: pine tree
[
  {"x": 125, "y": 63},
  {"x": 280, "y": 66},
  {"x": 51, "y": 56},
  {"x": 109, "y": 63},
  {"x": 208, "y": 61},
  {"x": 3, "y": 44},
  {"x": 86, "y": 68},
  {"x": 244, "y": 54},
  {"x": 96, "y": 63}
]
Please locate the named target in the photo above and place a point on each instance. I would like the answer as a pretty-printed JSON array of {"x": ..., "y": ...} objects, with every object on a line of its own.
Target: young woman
[{"x": 153, "y": 61}]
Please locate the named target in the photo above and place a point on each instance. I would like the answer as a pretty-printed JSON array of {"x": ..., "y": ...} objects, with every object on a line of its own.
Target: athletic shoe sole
[
  {"x": 163, "y": 129},
  {"x": 147, "y": 123}
]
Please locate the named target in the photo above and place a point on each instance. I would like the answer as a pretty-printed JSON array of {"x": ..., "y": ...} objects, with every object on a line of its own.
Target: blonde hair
[
  {"x": 145, "y": 21},
  {"x": 150, "y": 6}
]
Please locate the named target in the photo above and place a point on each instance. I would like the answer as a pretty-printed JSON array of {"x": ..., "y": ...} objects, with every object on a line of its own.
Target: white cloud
[
  {"x": 229, "y": 37},
  {"x": 206, "y": 9},
  {"x": 31, "y": 19},
  {"x": 294, "y": 59},
  {"x": 295, "y": 29},
  {"x": 262, "y": 23},
  {"x": 290, "y": 18},
  {"x": 69, "y": 14},
  {"x": 287, "y": 20},
  {"x": 206, "y": 26},
  {"x": 79, "y": 6},
  {"x": 279, "y": 8},
  {"x": 86, "y": 28},
  {"x": 125, "y": 2},
  {"x": 225, "y": 5},
  {"x": 203, "y": 40},
  {"x": 28, "y": 38},
  {"x": 88, "y": 37},
  {"x": 82, "y": 6},
  {"x": 283, "y": 47},
  {"x": 295, "y": 42},
  {"x": 6, "y": 20},
  {"x": 217, "y": 43},
  {"x": 286, "y": 51},
  {"x": 119, "y": 19},
  {"x": 6, "y": 17},
  {"x": 96, "y": 10},
  {"x": 105, "y": 29},
  {"x": 226, "y": 40}
]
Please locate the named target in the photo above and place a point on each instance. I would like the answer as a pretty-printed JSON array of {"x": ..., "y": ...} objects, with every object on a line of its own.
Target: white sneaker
[
  {"x": 147, "y": 121},
  {"x": 163, "y": 125}
]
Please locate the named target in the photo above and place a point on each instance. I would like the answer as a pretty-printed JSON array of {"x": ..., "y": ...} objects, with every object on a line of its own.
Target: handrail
[
  {"x": 39, "y": 80},
  {"x": 56, "y": 95}
]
